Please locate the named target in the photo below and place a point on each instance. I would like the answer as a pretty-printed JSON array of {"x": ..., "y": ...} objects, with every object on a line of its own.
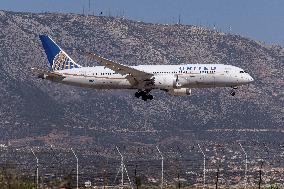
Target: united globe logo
[{"x": 61, "y": 62}]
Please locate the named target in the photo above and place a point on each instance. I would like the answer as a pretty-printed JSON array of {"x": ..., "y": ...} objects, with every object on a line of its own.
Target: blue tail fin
[{"x": 57, "y": 58}]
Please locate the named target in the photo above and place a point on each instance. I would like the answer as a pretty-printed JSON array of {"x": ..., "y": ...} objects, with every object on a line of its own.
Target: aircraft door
[{"x": 83, "y": 73}]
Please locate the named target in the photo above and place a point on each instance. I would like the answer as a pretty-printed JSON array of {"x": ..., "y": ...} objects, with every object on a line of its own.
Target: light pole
[
  {"x": 77, "y": 169},
  {"x": 246, "y": 164},
  {"x": 121, "y": 166},
  {"x": 36, "y": 168},
  {"x": 204, "y": 168},
  {"x": 162, "y": 171}
]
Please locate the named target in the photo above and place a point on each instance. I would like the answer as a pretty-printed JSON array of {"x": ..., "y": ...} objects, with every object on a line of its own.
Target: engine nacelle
[{"x": 180, "y": 92}]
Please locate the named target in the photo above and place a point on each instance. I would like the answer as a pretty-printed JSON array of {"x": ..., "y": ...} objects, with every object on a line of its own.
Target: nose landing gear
[
  {"x": 144, "y": 94},
  {"x": 233, "y": 91}
]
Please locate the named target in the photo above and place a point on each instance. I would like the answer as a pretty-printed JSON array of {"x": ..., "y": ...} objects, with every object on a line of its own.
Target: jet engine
[{"x": 180, "y": 92}]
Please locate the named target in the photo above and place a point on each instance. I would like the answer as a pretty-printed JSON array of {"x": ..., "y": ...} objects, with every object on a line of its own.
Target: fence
[{"x": 237, "y": 164}]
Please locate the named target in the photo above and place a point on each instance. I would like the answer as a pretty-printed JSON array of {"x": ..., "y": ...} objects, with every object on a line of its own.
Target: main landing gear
[{"x": 144, "y": 94}]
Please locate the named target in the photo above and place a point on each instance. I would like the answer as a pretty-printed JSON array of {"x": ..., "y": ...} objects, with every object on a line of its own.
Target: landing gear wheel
[
  {"x": 144, "y": 97},
  {"x": 233, "y": 92},
  {"x": 137, "y": 94},
  {"x": 144, "y": 94}
]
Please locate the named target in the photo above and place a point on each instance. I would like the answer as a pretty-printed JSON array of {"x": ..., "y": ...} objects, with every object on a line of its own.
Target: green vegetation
[
  {"x": 11, "y": 179},
  {"x": 138, "y": 182}
]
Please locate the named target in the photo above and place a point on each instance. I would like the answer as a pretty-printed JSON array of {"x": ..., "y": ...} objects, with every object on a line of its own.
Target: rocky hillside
[{"x": 35, "y": 111}]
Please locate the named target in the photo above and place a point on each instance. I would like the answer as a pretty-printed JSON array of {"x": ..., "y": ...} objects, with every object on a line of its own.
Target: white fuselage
[{"x": 165, "y": 76}]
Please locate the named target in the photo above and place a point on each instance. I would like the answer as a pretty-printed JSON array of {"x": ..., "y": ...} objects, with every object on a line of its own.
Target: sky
[{"x": 261, "y": 20}]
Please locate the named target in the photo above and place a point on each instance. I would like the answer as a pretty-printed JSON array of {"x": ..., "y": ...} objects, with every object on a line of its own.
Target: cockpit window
[{"x": 242, "y": 72}]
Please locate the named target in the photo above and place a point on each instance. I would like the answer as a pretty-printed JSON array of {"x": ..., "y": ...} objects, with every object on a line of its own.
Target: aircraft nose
[{"x": 250, "y": 79}]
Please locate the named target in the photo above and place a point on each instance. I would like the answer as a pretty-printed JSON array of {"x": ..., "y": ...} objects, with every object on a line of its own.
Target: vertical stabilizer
[{"x": 57, "y": 58}]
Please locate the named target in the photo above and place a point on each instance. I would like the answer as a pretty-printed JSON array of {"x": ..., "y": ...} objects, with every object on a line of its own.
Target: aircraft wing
[
  {"x": 43, "y": 73},
  {"x": 135, "y": 75}
]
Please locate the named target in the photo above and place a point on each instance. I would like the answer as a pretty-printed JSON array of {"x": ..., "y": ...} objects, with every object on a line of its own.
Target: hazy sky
[{"x": 259, "y": 19}]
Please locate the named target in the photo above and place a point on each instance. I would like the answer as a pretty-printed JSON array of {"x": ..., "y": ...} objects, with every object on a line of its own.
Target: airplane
[{"x": 177, "y": 80}]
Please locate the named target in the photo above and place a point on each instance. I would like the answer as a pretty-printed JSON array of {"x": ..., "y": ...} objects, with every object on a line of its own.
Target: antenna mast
[{"x": 89, "y": 7}]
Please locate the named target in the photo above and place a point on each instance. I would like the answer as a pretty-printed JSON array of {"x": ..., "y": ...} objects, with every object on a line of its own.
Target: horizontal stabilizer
[{"x": 43, "y": 74}]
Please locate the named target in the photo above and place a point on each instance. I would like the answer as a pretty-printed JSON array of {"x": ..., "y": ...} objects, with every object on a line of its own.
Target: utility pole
[
  {"x": 179, "y": 166},
  {"x": 36, "y": 168},
  {"x": 217, "y": 177},
  {"x": 260, "y": 174},
  {"x": 105, "y": 179},
  {"x": 178, "y": 181},
  {"x": 162, "y": 171},
  {"x": 135, "y": 175},
  {"x": 246, "y": 164},
  {"x": 77, "y": 169},
  {"x": 204, "y": 168}
]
